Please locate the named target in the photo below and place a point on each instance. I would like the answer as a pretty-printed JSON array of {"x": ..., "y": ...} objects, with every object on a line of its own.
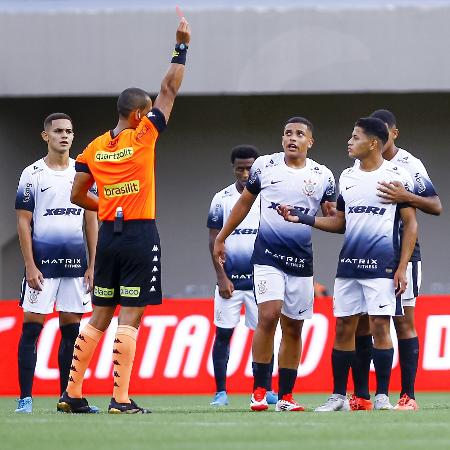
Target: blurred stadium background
[{"x": 252, "y": 64}]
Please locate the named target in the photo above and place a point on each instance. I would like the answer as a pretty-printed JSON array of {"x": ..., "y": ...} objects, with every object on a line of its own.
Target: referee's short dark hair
[
  {"x": 244, "y": 152},
  {"x": 298, "y": 119},
  {"x": 55, "y": 116},
  {"x": 374, "y": 127},
  {"x": 130, "y": 100},
  {"x": 386, "y": 116}
]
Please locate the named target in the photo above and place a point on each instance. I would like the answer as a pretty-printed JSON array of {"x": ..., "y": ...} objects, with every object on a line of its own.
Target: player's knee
[
  {"x": 268, "y": 320},
  {"x": 344, "y": 330},
  {"x": 404, "y": 327},
  {"x": 363, "y": 328},
  {"x": 224, "y": 334},
  {"x": 380, "y": 329}
]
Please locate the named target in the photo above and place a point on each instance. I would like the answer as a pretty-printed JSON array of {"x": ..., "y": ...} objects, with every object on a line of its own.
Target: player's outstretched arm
[
  {"x": 80, "y": 194},
  {"x": 395, "y": 192},
  {"x": 408, "y": 216},
  {"x": 91, "y": 233},
  {"x": 225, "y": 285},
  {"x": 172, "y": 81},
  {"x": 332, "y": 224},
  {"x": 33, "y": 275},
  {"x": 237, "y": 215}
]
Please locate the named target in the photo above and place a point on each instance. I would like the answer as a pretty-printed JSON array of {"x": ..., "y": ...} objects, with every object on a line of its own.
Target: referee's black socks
[
  {"x": 382, "y": 360},
  {"x": 27, "y": 356}
]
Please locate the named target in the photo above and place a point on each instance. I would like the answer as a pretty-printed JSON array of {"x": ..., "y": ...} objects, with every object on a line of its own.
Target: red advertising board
[{"x": 174, "y": 351}]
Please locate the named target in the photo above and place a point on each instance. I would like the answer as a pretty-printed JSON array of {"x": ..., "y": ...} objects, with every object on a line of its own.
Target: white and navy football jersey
[
  {"x": 239, "y": 245},
  {"x": 422, "y": 183},
  {"x": 372, "y": 235},
  {"x": 282, "y": 244},
  {"x": 57, "y": 225}
]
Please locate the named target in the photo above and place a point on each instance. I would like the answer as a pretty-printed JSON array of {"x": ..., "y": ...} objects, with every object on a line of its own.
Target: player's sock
[
  {"x": 69, "y": 335},
  {"x": 269, "y": 376},
  {"x": 123, "y": 356},
  {"x": 220, "y": 355},
  {"x": 341, "y": 361},
  {"x": 382, "y": 360},
  {"x": 361, "y": 365},
  {"x": 27, "y": 356},
  {"x": 260, "y": 374},
  {"x": 84, "y": 348},
  {"x": 286, "y": 381},
  {"x": 408, "y": 351}
]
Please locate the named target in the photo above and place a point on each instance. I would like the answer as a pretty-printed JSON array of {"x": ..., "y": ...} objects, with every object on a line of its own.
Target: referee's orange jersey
[{"x": 124, "y": 169}]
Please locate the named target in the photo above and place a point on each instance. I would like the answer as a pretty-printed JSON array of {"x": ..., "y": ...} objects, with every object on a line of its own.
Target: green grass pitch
[{"x": 188, "y": 422}]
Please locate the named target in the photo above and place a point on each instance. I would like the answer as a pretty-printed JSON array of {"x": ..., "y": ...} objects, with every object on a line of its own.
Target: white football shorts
[
  {"x": 66, "y": 294},
  {"x": 297, "y": 293},
  {"x": 414, "y": 275}
]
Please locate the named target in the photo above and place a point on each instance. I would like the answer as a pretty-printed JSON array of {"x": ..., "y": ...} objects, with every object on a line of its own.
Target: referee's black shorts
[{"x": 128, "y": 265}]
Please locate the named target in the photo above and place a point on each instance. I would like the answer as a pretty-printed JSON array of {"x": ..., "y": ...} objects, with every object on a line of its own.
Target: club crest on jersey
[
  {"x": 262, "y": 287},
  {"x": 309, "y": 187}
]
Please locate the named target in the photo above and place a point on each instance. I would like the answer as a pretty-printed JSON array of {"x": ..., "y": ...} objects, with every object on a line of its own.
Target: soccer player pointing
[
  {"x": 372, "y": 267},
  {"x": 128, "y": 260}
]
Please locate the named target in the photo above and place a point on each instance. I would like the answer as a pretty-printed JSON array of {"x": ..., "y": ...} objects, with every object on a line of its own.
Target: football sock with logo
[
  {"x": 340, "y": 362},
  {"x": 220, "y": 355},
  {"x": 361, "y": 365},
  {"x": 123, "y": 356},
  {"x": 84, "y": 348},
  {"x": 69, "y": 335},
  {"x": 408, "y": 352},
  {"x": 382, "y": 360},
  {"x": 260, "y": 374},
  {"x": 269, "y": 376},
  {"x": 27, "y": 356},
  {"x": 286, "y": 381}
]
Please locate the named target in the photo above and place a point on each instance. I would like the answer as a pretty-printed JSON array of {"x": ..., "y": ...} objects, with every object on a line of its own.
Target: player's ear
[
  {"x": 44, "y": 136},
  {"x": 310, "y": 142},
  {"x": 395, "y": 133}
]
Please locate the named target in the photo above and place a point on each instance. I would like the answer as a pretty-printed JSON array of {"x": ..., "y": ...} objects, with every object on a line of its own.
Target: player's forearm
[
  {"x": 428, "y": 205},
  {"x": 332, "y": 224},
  {"x": 409, "y": 239},
  {"x": 26, "y": 243},
  {"x": 91, "y": 231},
  {"x": 218, "y": 268}
]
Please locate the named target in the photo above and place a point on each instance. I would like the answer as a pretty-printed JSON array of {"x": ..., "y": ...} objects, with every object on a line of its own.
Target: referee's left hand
[
  {"x": 400, "y": 281},
  {"x": 89, "y": 279}
]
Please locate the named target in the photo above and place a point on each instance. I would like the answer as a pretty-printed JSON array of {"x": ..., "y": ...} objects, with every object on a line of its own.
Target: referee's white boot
[{"x": 336, "y": 402}]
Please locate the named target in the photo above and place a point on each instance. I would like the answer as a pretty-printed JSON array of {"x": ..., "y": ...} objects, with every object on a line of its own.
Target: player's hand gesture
[
  {"x": 393, "y": 192},
  {"x": 226, "y": 287},
  {"x": 183, "y": 32},
  {"x": 89, "y": 279},
  {"x": 400, "y": 281},
  {"x": 285, "y": 212},
  {"x": 34, "y": 278}
]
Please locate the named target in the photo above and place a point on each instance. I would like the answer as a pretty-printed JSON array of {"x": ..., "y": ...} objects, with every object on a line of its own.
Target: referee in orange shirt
[{"x": 127, "y": 265}]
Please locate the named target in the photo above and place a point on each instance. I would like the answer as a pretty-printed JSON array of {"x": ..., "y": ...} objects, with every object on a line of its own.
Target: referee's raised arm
[{"x": 172, "y": 80}]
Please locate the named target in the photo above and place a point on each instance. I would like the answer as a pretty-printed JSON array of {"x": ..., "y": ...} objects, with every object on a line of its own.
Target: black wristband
[
  {"x": 303, "y": 218},
  {"x": 179, "y": 54}
]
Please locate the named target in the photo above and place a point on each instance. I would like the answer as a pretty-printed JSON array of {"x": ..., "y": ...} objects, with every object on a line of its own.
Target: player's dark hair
[
  {"x": 298, "y": 119},
  {"x": 386, "y": 116},
  {"x": 374, "y": 127},
  {"x": 244, "y": 152},
  {"x": 55, "y": 116},
  {"x": 130, "y": 100}
]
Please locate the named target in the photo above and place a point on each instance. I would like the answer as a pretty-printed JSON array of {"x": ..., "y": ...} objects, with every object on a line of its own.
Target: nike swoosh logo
[
  {"x": 383, "y": 306},
  {"x": 85, "y": 303},
  {"x": 349, "y": 187},
  {"x": 275, "y": 182},
  {"x": 301, "y": 312},
  {"x": 43, "y": 190}
]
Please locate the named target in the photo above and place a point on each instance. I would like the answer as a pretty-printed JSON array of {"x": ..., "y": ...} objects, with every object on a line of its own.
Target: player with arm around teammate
[
  {"x": 128, "y": 260},
  {"x": 57, "y": 274},
  {"x": 424, "y": 198},
  {"x": 282, "y": 257},
  {"x": 372, "y": 263},
  {"x": 234, "y": 279}
]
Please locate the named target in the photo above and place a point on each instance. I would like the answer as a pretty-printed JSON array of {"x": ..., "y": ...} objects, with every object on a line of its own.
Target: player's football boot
[
  {"x": 382, "y": 403},
  {"x": 406, "y": 403},
  {"x": 24, "y": 405},
  {"x": 336, "y": 402},
  {"x": 220, "y": 399},
  {"x": 271, "y": 398},
  {"x": 126, "y": 408},
  {"x": 360, "y": 404},
  {"x": 287, "y": 403},
  {"x": 75, "y": 405},
  {"x": 258, "y": 402}
]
